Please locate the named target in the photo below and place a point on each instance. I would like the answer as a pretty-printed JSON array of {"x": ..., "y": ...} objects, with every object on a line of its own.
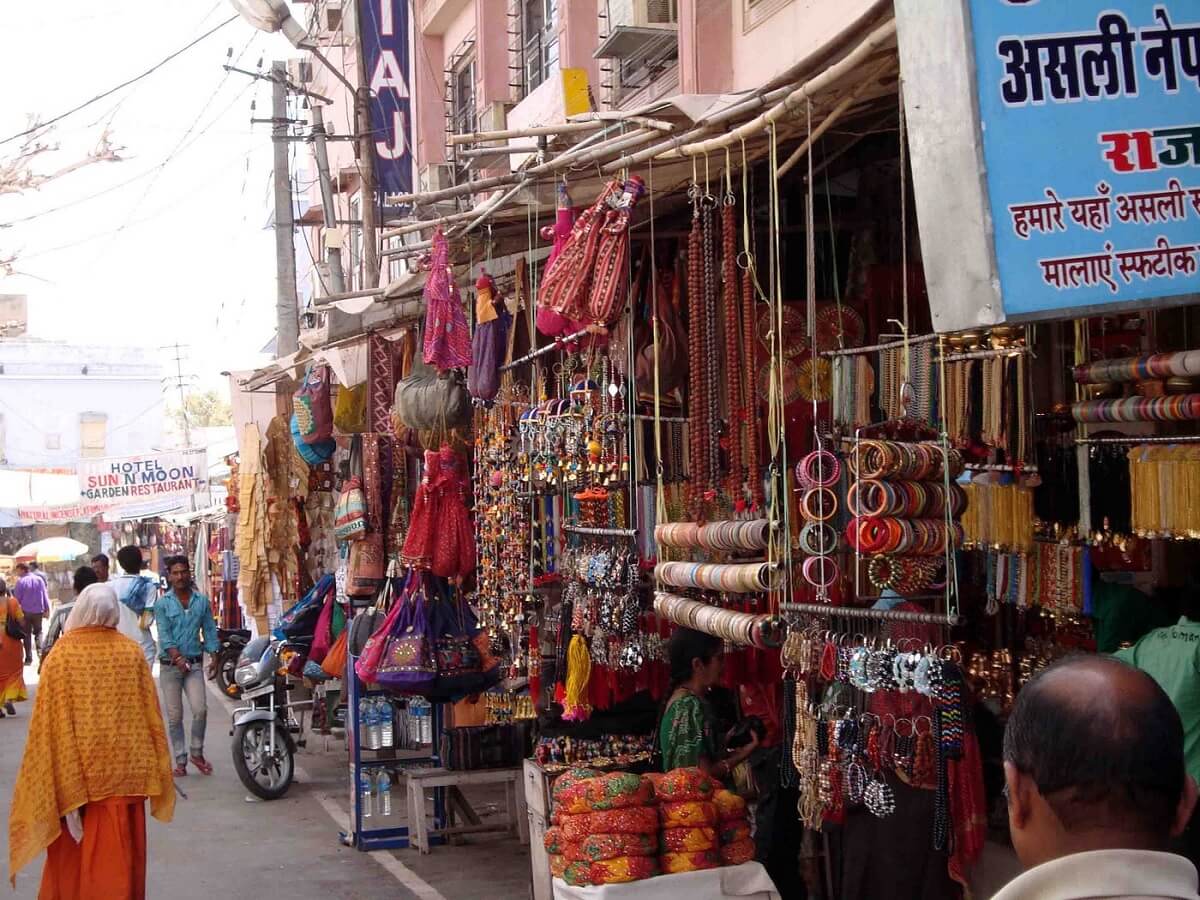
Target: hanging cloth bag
[
  {"x": 334, "y": 663},
  {"x": 407, "y": 664},
  {"x": 568, "y": 280},
  {"x": 447, "y": 335},
  {"x": 372, "y": 650},
  {"x": 301, "y": 619},
  {"x": 350, "y": 514},
  {"x": 606, "y": 297},
  {"x": 490, "y": 341},
  {"x": 313, "y": 406},
  {"x": 350, "y": 409}
]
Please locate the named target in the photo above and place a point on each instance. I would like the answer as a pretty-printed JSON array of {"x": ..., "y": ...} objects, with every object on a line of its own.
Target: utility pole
[
  {"x": 180, "y": 381},
  {"x": 333, "y": 234},
  {"x": 287, "y": 314},
  {"x": 366, "y": 160}
]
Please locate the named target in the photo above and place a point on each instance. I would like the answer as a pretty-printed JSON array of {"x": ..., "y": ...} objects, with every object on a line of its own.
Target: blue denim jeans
[{"x": 174, "y": 685}]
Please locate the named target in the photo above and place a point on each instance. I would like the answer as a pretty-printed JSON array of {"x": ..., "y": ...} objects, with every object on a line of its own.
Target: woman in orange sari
[
  {"x": 91, "y": 763},
  {"x": 12, "y": 654}
]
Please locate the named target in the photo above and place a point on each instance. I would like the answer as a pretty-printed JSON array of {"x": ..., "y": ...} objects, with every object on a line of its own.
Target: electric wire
[{"x": 41, "y": 126}]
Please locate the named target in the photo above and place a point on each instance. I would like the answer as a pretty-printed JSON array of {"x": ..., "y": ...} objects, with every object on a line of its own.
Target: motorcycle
[
  {"x": 264, "y": 747},
  {"x": 233, "y": 641}
]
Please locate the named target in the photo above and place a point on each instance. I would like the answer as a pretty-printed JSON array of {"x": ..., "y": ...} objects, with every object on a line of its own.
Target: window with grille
[
  {"x": 539, "y": 34},
  {"x": 93, "y": 435},
  {"x": 462, "y": 97}
]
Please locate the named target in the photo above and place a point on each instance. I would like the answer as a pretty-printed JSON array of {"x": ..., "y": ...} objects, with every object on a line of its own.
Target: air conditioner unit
[
  {"x": 333, "y": 15},
  {"x": 436, "y": 177},
  {"x": 300, "y": 71},
  {"x": 639, "y": 28},
  {"x": 493, "y": 117}
]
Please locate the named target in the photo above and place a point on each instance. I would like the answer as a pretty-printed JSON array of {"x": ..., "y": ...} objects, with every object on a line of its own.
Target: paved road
[{"x": 288, "y": 849}]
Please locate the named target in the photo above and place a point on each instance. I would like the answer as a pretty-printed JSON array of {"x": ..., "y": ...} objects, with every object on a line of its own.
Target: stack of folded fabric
[
  {"x": 688, "y": 817},
  {"x": 737, "y": 846},
  {"x": 605, "y": 828}
]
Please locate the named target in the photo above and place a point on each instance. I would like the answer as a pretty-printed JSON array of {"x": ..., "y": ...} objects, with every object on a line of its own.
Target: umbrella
[{"x": 55, "y": 549}]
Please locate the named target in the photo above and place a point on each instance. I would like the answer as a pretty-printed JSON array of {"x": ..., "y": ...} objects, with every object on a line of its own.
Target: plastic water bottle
[
  {"x": 364, "y": 720},
  {"x": 387, "y": 734},
  {"x": 364, "y": 792},
  {"x": 426, "y": 722},
  {"x": 376, "y": 724},
  {"x": 384, "y": 789}
]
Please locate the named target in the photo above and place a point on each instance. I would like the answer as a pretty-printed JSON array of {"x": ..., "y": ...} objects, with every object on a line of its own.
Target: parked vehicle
[
  {"x": 264, "y": 729},
  {"x": 233, "y": 641}
]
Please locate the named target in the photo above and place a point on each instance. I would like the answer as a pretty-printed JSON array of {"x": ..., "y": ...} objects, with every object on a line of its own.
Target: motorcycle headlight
[{"x": 245, "y": 674}]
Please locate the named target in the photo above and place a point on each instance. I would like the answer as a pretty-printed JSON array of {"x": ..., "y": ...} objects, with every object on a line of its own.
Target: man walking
[
  {"x": 30, "y": 591},
  {"x": 100, "y": 566},
  {"x": 186, "y": 630},
  {"x": 137, "y": 591}
]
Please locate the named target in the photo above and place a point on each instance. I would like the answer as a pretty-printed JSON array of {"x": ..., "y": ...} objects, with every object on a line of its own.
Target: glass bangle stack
[{"x": 818, "y": 474}]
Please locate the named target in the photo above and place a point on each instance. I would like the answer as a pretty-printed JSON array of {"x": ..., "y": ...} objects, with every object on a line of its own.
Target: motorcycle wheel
[
  {"x": 264, "y": 775},
  {"x": 226, "y": 665}
]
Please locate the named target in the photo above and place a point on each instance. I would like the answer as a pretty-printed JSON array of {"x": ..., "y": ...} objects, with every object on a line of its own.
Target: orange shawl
[{"x": 96, "y": 732}]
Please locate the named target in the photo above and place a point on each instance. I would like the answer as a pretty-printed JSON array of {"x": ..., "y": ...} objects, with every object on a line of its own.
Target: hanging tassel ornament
[{"x": 579, "y": 669}]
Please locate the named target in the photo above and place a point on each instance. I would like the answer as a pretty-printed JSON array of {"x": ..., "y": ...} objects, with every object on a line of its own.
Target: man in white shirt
[
  {"x": 138, "y": 590},
  {"x": 1096, "y": 785}
]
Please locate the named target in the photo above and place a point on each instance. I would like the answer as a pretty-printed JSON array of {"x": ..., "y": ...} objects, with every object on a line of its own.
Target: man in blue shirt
[
  {"x": 186, "y": 630},
  {"x": 30, "y": 591}
]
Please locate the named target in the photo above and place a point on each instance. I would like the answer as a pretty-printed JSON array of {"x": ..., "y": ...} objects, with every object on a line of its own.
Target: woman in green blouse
[{"x": 686, "y": 734}]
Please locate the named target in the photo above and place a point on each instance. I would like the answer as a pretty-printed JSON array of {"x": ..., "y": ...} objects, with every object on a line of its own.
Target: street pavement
[{"x": 219, "y": 842}]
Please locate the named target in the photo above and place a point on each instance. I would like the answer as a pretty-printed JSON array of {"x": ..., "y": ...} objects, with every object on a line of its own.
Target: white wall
[{"x": 44, "y": 393}]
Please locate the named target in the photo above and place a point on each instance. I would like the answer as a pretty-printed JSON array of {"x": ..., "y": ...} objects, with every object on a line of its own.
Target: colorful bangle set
[
  {"x": 912, "y": 537},
  {"x": 903, "y": 574},
  {"x": 818, "y": 469},
  {"x": 906, "y": 499},
  {"x": 1140, "y": 368},
  {"x": 818, "y": 473},
  {"x": 1172, "y": 408},
  {"x": 736, "y": 578},
  {"x": 818, "y": 539},
  {"x": 731, "y": 536},
  {"x": 924, "y": 461},
  {"x": 736, "y": 627}
]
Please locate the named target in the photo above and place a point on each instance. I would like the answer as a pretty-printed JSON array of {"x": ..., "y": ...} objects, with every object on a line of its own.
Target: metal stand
[
  {"x": 880, "y": 615},
  {"x": 366, "y": 838}
]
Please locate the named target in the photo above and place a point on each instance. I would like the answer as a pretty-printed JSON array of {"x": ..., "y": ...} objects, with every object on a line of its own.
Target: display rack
[{"x": 365, "y": 837}]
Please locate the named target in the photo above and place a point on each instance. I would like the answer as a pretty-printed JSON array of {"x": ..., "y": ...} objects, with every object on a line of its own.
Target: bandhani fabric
[
  {"x": 689, "y": 783},
  {"x": 688, "y": 840},
  {"x": 558, "y": 866},
  {"x": 686, "y": 733},
  {"x": 729, "y": 805},
  {"x": 675, "y": 863},
  {"x": 12, "y": 655},
  {"x": 735, "y": 830},
  {"x": 631, "y": 820},
  {"x": 614, "y": 791},
  {"x": 570, "y": 778},
  {"x": 737, "y": 853},
  {"x": 623, "y": 869},
  {"x": 447, "y": 336},
  {"x": 688, "y": 814},
  {"x": 578, "y": 874},
  {"x": 82, "y": 747},
  {"x": 596, "y": 847}
]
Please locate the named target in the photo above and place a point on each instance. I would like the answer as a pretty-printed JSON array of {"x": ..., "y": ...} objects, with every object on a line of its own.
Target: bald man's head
[{"x": 1103, "y": 744}]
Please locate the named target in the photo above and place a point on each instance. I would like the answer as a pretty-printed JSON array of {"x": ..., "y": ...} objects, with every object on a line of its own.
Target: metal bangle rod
[
  {"x": 890, "y": 345},
  {"x": 883, "y": 615},
  {"x": 612, "y": 532},
  {"x": 558, "y": 344},
  {"x": 1135, "y": 439},
  {"x": 643, "y": 418},
  {"x": 986, "y": 354},
  {"x": 996, "y": 467}
]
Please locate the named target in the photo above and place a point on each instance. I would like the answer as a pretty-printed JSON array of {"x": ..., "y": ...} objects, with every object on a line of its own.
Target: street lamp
[{"x": 271, "y": 16}]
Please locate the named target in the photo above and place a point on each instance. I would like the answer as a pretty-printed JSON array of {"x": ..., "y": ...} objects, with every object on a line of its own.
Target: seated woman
[{"x": 687, "y": 732}]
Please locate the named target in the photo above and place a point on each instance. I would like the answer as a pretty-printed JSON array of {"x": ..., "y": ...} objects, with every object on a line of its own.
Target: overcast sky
[{"x": 178, "y": 254}]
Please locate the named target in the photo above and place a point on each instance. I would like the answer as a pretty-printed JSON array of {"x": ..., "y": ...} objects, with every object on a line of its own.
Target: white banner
[
  {"x": 120, "y": 480},
  {"x": 75, "y": 512}
]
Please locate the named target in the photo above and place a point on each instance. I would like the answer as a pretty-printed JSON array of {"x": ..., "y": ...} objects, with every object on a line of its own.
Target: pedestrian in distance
[
  {"x": 30, "y": 591},
  {"x": 12, "y": 652},
  {"x": 100, "y": 566},
  {"x": 137, "y": 590},
  {"x": 186, "y": 631},
  {"x": 36, "y": 568},
  {"x": 90, "y": 763},
  {"x": 1096, "y": 785}
]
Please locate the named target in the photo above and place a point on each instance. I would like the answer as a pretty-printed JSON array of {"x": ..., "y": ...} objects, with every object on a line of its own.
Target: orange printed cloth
[
  {"x": 83, "y": 747},
  {"x": 675, "y": 863},
  {"x": 614, "y": 791},
  {"x": 684, "y": 784},
  {"x": 735, "y": 830},
  {"x": 569, "y": 779},
  {"x": 631, "y": 820},
  {"x": 688, "y": 840},
  {"x": 578, "y": 874},
  {"x": 688, "y": 814},
  {"x": 737, "y": 853},
  {"x": 729, "y": 805},
  {"x": 598, "y": 847},
  {"x": 558, "y": 866},
  {"x": 623, "y": 869}
]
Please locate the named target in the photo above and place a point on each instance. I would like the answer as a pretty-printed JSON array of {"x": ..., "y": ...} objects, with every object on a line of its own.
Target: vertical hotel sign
[
  {"x": 384, "y": 29},
  {"x": 1089, "y": 112}
]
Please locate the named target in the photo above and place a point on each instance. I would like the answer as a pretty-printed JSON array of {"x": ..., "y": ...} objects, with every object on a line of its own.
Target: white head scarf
[{"x": 97, "y": 605}]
